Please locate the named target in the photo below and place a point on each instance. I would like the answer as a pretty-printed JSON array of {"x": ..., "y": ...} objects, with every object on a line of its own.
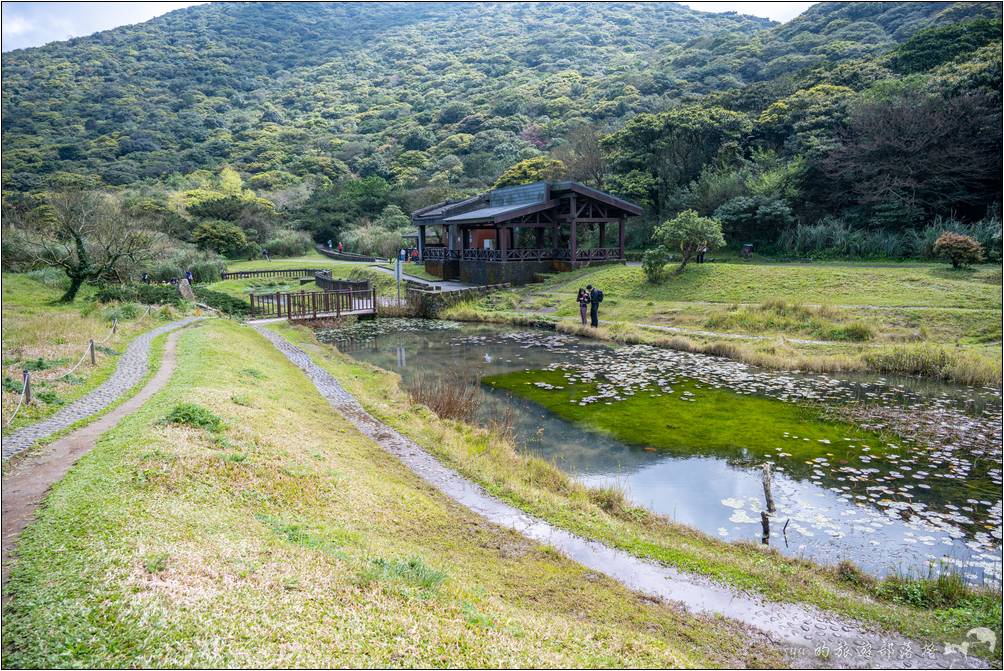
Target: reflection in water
[{"x": 823, "y": 512}]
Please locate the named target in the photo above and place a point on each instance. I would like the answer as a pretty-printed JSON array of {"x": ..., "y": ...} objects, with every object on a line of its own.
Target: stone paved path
[
  {"x": 27, "y": 483},
  {"x": 799, "y": 629},
  {"x": 132, "y": 367}
]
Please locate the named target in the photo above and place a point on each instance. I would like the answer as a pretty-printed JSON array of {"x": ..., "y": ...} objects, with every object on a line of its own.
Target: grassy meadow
[{"x": 911, "y": 318}]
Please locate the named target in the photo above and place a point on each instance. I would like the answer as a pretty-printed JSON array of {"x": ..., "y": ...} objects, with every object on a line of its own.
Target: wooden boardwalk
[{"x": 301, "y": 305}]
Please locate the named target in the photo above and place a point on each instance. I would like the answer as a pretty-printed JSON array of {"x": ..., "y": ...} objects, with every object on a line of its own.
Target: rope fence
[{"x": 88, "y": 352}]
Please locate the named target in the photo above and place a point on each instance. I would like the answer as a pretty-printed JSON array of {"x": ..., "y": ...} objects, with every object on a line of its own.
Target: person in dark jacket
[
  {"x": 595, "y": 298},
  {"x": 189, "y": 276}
]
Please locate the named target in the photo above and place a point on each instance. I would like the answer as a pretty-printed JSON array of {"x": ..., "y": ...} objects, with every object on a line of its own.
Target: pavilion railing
[
  {"x": 440, "y": 254},
  {"x": 523, "y": 254},
  {"x": 597, "y": 254}
]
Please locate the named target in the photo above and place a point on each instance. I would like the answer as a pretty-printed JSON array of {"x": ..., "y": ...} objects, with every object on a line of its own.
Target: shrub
[
  {"x": 961, "y": 250},
  {"x": 225, "y": 303},
  {"x": 653, "y": 263},
  {"x": 205, "y": 266},
  {"x": 289, "y": 243},
  {"x": 147, "y": 294},
  {"x": 220, "y": 236},
  {"x": 190, "y": 414}
]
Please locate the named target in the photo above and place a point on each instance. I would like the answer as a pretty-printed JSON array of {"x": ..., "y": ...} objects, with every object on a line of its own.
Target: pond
[{"x": 898, "y": 475}]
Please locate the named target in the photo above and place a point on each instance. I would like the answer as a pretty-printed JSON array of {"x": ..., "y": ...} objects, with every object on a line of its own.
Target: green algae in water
[
  {"x": 698, "y": 420},
  {"x": 748, "y": 430}
]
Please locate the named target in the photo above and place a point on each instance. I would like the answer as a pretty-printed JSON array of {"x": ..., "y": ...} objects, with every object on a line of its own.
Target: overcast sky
[{"x": 31, "y": 24}]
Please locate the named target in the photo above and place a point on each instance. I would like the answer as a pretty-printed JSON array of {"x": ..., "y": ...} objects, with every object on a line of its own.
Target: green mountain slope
[
  {"x": 228, "y": 81},
  {"x": 879, "y": 116}
]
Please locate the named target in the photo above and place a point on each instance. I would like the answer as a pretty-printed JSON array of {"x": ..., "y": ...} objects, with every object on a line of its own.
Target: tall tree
[
  {"x": 87, "y": 235},
  {"x": 673, "y": 146},
  {"x": 908, "y": 159}
]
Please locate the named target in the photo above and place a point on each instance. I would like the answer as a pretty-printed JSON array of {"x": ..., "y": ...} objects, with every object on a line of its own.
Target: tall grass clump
[
  {"x": 836, "y": 238},
  {"x": 458, "y": 399},
  {"x": 936, "y": 361}
]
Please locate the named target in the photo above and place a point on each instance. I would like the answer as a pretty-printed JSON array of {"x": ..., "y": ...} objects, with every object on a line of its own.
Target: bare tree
[
  {"x": 583, "y": 156},
  {"x": 86, "y": 235}
]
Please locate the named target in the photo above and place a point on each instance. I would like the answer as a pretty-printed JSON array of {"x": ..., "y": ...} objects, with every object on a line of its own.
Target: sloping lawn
[{"x": 237, "y": 520}]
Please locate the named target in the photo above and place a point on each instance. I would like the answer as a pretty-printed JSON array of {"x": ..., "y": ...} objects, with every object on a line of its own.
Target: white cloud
[
  {"x": 777, "y": 11},
  {"x": 15, "y": 25}
]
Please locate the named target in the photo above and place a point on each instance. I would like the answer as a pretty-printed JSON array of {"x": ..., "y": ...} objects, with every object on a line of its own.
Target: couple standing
[{"x": 591, "y": 298}]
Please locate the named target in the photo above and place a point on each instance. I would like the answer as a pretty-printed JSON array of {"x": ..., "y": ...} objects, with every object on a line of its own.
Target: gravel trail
[{"x": 132, "y": 367}]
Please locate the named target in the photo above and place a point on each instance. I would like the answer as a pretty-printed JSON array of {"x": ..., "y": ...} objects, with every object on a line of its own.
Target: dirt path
[
  {"x": 132, "y": 367},
  {"x": 800, "y": 629},
  {"x": 26, "y": 484}
]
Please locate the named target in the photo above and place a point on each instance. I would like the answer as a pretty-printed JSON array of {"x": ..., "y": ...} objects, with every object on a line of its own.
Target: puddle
[{"x": 903, "y": 506}]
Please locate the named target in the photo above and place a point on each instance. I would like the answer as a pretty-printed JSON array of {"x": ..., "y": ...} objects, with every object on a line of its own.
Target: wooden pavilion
[{"x": 511, "y": 234}]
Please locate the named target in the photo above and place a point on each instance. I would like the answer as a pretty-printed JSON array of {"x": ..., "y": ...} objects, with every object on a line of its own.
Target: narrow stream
[{"x": 909, "y": 507}]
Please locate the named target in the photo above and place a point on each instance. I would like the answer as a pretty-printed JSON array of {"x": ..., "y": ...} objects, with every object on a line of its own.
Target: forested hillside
[{"x": 861, "y": 117}]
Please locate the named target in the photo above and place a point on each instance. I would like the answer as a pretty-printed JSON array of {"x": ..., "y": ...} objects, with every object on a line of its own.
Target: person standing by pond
[
  {"x": 595, "y": 298},
  {"x": 583, "y": 301}
]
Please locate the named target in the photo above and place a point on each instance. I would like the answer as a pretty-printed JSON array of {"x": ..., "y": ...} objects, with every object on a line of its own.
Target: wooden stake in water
[
  {"x": 765, "y": 523},
  {"x": 766, "y": 488}
]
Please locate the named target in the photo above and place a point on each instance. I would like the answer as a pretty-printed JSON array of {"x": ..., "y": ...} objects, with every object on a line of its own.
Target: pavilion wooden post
[
  {"x": 504, "y": 240},
  {"x": 572, "y": 241},
  {"x": 620, "y": 237},
  {"x": 603, "y": 234},
  {"x": 421, "y": 243}
]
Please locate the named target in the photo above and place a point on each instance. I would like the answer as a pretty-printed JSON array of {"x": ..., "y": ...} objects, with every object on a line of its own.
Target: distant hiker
[
  {"x": 339, "y": 248},
  {"x": 701, "y": 252},
  {"x": 146, "y": 278},
  {"x": 189, "y": 276},
  {"x": 583, "y": 301},
  {"x": 174, "y": 281},
  {"x": 414, "y": 255},
  {"x": 595, "y": 298},
  {"x": 264, "y": 253},
  {"x": 329, "y": 244}
]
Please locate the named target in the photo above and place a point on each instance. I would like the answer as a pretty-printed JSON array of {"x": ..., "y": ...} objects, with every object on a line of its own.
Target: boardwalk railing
[
  {"x": 279, "y": 272},
  {"x": 326, "y": 282},
  {"x": 313, "y": 304}
]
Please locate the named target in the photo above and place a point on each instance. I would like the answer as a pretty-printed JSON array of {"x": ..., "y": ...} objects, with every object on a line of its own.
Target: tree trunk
[{"x": 71, "y": 293}]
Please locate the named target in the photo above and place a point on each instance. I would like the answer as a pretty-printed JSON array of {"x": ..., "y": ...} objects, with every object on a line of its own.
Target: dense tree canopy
[{"x": 880, "y": 116}]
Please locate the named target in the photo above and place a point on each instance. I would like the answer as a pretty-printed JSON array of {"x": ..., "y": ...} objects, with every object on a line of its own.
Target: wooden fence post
[
  {"x": 93, "y": 360},
  {"x": 278, "y": 305},
  {"x": 115, "y": 325},
  {"x": 251, "y": 296},
  {"x": 27, "y": 386},
  {"x": 766, "y": 488}
]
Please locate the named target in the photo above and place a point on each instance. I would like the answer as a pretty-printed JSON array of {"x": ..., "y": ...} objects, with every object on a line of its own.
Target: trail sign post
[{"x": 397, "y": 276}]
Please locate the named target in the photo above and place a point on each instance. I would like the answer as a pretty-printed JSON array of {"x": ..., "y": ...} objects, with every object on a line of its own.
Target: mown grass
[
  {"x": 49, "y": 338},
  {"x": 542, "y": 489},
  {"x": 286, "y": 538},
  {"x": 976, "y": 366},
  {"x": 907, "y": 284},
  {"x": 857, "y": 306}
]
